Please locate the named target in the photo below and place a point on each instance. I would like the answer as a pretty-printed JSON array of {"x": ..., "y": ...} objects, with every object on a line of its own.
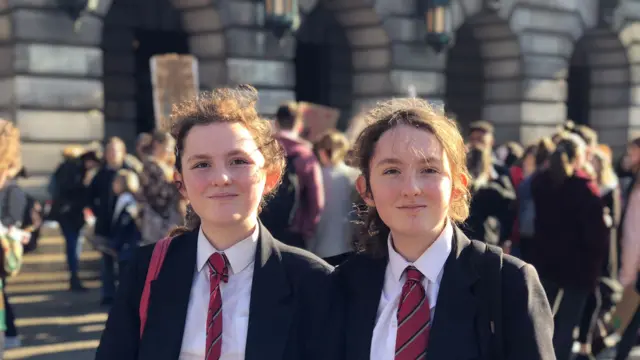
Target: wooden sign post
[{"x": 174, "y": 79}]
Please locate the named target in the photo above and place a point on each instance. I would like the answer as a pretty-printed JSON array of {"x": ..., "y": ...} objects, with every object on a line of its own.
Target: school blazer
[
  {"x": 289, "y": 311},
  {"x": 459, "y": 331}
]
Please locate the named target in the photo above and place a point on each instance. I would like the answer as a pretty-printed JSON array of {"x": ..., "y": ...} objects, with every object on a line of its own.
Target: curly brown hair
[
  {"x": 10, "y": 152},
  {"x": 421, "y": 115},
  {"x": 227, "y": 105}
]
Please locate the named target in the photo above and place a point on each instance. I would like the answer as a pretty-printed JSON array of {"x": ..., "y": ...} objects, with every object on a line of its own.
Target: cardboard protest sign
[
  {"x": 317, "y": 119},
  {"x": 174, "y": 78}
]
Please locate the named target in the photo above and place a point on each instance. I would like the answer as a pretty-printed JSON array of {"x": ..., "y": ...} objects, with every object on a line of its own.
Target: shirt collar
[
  {"x": 240, "y": 255},
  {"x": 430, "y": 263}
]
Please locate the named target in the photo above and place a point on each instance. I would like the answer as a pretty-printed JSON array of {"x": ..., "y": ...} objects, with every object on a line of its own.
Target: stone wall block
[
  {"x": 72, "y": 126},
  {"x": 48, "y": 26},
  {"x": 59, "y": 60},
  {"x": 58, "y": 93},
  {"x": 261, "y": 72}
]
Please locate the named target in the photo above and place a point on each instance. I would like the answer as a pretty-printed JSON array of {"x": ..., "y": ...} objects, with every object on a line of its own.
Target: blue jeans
[
  {"x": 73, "y": 249},
  {"x": 108, "y": 276}
]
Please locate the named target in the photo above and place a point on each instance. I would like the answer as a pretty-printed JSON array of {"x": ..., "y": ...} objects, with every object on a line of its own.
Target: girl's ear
[
  {"x": 464, "y": 182},
  {"x": 361, "y": 187},
  {"x": 271, "y": 181},
  {"x": 177, "y": 179}
]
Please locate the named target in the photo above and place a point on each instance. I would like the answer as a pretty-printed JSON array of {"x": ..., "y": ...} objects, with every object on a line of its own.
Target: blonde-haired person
[
  {"x": 12, "y": 214},
  {"x": 334, "y": 234},
  {"x": 227, "y": 289},
  {"x": 415, "y": 265},
  {"x": 125, "y": 224}
]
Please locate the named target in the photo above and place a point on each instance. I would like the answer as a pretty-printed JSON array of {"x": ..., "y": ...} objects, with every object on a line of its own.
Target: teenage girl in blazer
[
  {"x": 418, "y": 288},
  {"x": 227, "y": 289}
]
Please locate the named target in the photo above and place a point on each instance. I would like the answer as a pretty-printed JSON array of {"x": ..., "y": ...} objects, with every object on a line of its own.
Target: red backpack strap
[{"x": 157, "y": 258}]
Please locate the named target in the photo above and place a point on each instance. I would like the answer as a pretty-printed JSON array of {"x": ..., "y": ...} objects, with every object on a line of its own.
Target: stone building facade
[{"x": 64, "y": 82}]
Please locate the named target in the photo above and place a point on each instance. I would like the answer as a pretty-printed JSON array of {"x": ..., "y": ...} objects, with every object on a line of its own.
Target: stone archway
[
  {"x": 483, "y": 70},
  {"x": 598, "y": 80},
  {"x": 166, "y": 26},
  {"x": 356, "y": 65}
]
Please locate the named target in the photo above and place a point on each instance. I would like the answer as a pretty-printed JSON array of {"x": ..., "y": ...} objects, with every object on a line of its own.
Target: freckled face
[
  {"x": 223, "y": 173},
  {"x": 410, "y": 181}
]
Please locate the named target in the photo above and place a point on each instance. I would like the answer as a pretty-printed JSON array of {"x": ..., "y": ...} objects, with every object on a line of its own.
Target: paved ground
[{"x": 55, "y": 324}]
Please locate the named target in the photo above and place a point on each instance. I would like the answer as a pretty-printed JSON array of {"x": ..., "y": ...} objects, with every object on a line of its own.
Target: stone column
[
  {"x": 547, "y": 35},
  {"x": 52, "y": 84}
]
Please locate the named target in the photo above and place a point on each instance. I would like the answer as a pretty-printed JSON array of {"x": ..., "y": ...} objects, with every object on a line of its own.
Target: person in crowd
[
  {"x": 602, "y": 300},
  {"x": 300, "y": 197},
  {"x": 523, "y": 166},
  {"x": 493, "y": 200},
  {"x": 414, "y": 263},
  {"x": 101, "y": 201},
  {"x": 482, "y": 133},
  {"x": 125, "y": 225},
  {"x": 569, "y": 220},
  {"x": 69, "y": 193},
  {"x": 510, "y": 154},
  {"x": 14, "y": 203},
  {"x": 526, "y": 206},
  {"x": 334, "y": 234},
  {"x": 630, "y": 239},
  {"x": 264, "y": 299},
  {"x": 161, "y": 200},
  {"x": 144, "y": 146}
]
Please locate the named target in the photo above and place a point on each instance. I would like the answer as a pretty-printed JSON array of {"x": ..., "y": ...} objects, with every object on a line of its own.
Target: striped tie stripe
[
  {"x": 218, "y": 273},
  {"x": 414, "y": 318}
]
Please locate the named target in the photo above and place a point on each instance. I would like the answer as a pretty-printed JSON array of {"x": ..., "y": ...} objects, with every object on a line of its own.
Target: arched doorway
[
  {"x": 579, "y": 86},
  {"x": 323, "y": 65},
  {"x": 464, "y": 92},
  {"x": 483, "y": 75},
  {"x": 598, "y": 82},
  {"x": 134, "y": 31}
]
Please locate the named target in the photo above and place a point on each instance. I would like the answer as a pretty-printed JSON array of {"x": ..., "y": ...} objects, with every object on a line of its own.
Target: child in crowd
[{"x": 125, "y": 226}]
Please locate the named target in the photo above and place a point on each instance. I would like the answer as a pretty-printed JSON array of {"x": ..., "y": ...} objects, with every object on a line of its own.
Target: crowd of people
[{"x": 324, "y": 249}]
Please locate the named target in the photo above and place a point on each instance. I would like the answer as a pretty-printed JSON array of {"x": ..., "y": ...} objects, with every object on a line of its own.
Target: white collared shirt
[
  {"x": 236, "y": 297},
  {"x": 431, "y": 265}
]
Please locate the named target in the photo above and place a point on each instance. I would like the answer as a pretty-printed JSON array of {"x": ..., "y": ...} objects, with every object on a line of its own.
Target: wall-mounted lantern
[
  {"x": 437, "y": 15},
  {"x": 281, "y": 16}
]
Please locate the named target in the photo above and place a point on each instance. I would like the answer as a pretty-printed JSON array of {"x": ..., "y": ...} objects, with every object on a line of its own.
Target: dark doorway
[
  {"x": 323, "y": 64},
  {"x": 464, "y": 94},
  {"x": 578, "y": 94},
  {"x": 313, "y": 73},
  {"x": 149, "y": 43}
]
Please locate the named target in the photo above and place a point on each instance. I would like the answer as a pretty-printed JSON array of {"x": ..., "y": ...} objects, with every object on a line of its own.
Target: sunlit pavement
[{"x": 54, "y": 323}]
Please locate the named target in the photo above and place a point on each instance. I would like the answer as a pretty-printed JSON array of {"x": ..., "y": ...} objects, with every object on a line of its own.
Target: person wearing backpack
[
  {"x": 418, "y": 286},
  {"x": 293, "y": 212},
  {"x": 222, "y": 287}
]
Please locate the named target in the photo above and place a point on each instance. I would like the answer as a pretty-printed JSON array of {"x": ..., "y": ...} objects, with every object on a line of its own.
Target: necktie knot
[
  {"x": 218, "y": 266},
  {"x": 414, "y": 274}
]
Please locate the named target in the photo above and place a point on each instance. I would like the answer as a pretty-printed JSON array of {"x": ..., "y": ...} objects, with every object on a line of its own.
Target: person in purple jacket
[{"x": 293, "y": 214}]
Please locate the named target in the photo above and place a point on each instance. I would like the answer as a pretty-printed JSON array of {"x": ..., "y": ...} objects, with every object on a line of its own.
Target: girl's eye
[
  {"x": 239, "y": 162},
  {"x": 431, "y": 171},
  {"x": 200, "y": 165},
  {"x": 391, "y": 172}
]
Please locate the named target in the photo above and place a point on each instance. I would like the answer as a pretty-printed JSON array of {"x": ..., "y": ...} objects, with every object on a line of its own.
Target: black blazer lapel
[
  {"x": 453, "y": 332},
  {"x": 169, "y": 300},
  {"x": 364, "y": 287},
  {"x": 271, "y": 307}
]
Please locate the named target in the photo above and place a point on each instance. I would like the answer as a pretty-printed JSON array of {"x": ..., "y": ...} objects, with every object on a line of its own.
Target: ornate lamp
[
  {"x": 438, "y": 21},
  {"x": 281, "y": 16}
]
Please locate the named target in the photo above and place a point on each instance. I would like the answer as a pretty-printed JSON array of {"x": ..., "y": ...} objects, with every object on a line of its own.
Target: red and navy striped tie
[
  {"x": 414, "y": 318},
  {"x": 218, "y": 271}
]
